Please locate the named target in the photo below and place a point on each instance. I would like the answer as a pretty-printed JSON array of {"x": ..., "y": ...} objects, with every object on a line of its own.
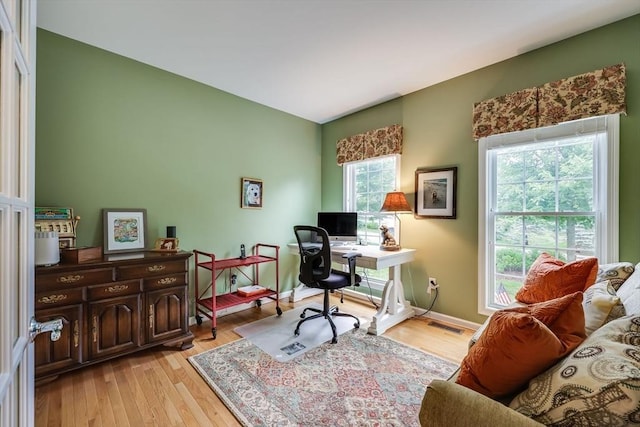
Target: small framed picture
[
  {"x": 436, "y": 193},
  {"x": 124, "y": 230},
  {"x": 251, "y": 193},
  {"x": 166, "y": 244}
]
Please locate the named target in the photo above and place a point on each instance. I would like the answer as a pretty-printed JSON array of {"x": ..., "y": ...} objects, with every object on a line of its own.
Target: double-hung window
[
  {"x": 552, "y": 189},
  {"x": 365, "y": 184}
]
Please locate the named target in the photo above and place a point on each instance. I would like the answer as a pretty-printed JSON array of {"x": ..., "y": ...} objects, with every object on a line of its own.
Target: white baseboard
[
  {"x": 419, "y": 311},
  {"x": 355, "y": 295}
]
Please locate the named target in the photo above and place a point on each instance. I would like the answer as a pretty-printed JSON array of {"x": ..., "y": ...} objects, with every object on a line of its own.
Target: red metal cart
[{"x": 208, "y": 301}]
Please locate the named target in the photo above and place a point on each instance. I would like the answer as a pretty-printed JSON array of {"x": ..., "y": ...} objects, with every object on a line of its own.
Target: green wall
[
  {"x": 437, "y": 132},
  {"x": 115, "y": 133}
]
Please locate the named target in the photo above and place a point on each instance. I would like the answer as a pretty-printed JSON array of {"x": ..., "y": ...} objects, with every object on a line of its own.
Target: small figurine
[{"x": 388, "y": 242}]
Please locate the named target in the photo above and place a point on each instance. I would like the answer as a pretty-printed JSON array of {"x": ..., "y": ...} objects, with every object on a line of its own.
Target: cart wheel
[
  {"x": 213, "y": 332},
  {"x": 279, "y": 311},
  {"x": 258, "y": 303},
  {"x": 198, "y": 319}
]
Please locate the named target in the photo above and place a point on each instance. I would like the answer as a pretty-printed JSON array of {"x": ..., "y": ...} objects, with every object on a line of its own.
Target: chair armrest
[
  {"x": 351, "y": 262},
  {"x": 449, "y": 404}
]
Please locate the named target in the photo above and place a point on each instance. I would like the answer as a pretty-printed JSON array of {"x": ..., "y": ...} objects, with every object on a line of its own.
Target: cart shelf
[{"x": 207, "y": 305}]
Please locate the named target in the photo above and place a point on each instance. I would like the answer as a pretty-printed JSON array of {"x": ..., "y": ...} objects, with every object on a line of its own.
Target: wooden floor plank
[{"x": 159, "y": 387}]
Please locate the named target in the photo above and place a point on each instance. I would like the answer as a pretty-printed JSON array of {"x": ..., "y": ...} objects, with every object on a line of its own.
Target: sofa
[{"x": 595, "y": 381}]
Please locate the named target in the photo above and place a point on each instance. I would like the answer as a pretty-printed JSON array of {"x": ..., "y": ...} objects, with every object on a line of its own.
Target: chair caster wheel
[
  {"x": 302, "y": 316},
  {"x": 334, "y": 341},
  {"x": 279, "y": 311},
  {"x": 356, "y": 325},
  {"x": 296, "y": 332},
  {"x": 199, "y": 320}
]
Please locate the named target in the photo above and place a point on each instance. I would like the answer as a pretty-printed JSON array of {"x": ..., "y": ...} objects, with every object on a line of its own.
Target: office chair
[{"x": 316, "y": 272}]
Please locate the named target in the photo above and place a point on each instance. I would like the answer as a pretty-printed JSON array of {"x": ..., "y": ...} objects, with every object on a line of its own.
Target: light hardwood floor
[{"x": 160, "y": 388}]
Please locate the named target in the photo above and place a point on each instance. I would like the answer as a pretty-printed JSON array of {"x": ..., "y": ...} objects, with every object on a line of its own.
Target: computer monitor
[{"x": 340, "y": 226}]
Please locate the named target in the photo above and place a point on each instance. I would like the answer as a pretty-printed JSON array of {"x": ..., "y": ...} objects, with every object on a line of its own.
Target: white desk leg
[{"x": 394, "y": 308}]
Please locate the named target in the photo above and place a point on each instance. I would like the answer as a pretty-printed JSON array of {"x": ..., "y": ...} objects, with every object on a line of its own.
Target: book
[{"x": 247, "y": 291}]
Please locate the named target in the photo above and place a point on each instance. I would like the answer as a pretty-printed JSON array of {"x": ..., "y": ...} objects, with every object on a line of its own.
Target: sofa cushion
[
  {"x": 598, "y": 305},
  {"x": 597, "y": 384},
  {"x": 629, "y": 293},
  {"x": 520, "y": 343},
  {"x": 550, "y": 278},
  {"x": 616, "y": 273}
]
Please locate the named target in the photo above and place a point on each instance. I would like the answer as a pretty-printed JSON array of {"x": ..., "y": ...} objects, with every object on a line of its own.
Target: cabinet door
[
  {"x": 67, "y": 351},
  {"x": 115, "y": 326},
  {"x": 166, "y": 313}
]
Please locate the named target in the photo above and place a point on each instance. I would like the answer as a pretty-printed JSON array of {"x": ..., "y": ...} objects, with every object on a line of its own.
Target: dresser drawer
[
  {"x": 160, "y": 268},
  {"x": 59, "y": 298},
  {"x": 74, "y": 278},
  {"x": 168, "y": 281},
  {"x": 114, "y": 289}
]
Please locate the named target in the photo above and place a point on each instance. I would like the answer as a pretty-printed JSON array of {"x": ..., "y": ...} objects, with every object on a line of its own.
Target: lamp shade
[{"x": 395, "y": 201}]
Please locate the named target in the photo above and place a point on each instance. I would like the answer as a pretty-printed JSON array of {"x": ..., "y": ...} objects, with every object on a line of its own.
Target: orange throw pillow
[
  {"x": 521, "y": 343},
  {"x": 550, "y": 278}
]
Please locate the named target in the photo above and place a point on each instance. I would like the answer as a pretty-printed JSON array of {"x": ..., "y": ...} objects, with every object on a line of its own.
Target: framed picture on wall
[
  {"x": 251, "y": 193},
  {"x": 125, "y": 230},
  {"x": 436, "y": 193}
]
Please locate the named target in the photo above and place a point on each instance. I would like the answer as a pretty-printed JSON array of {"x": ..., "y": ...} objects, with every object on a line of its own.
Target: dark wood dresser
[{"x": 119, "y": 305}]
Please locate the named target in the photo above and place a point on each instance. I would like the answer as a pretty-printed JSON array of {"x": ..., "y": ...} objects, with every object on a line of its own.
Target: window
[
  {"x": 553, "y": 190},
  {"x": 365, "y": 185}
]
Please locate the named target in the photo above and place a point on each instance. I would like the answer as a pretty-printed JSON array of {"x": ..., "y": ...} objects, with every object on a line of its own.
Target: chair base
[{"x": 327, "y": 312}]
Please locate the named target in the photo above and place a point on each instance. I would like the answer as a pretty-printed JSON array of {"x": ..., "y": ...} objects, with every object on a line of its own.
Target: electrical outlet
[{"x": 433, "y": 284}]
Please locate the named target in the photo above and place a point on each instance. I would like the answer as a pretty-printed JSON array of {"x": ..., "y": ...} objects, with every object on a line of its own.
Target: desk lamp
[{"x": 395, "y": 202}]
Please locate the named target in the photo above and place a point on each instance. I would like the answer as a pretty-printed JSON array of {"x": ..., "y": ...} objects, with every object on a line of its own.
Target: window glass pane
[
  {"x": 509, "y": 230},
  {"x": 575, "y": 195},
  {"x": 541, "y": 232},
  {"x": 510, "y": 197},
  {"x": 540, "y": 196},
  {"x": 540, "y": 165}
]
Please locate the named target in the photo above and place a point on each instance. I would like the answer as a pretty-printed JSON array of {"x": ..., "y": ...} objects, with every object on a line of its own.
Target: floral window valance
[
  {"x": 374, "y": 143},
  {"x": 586, "y": 95}
]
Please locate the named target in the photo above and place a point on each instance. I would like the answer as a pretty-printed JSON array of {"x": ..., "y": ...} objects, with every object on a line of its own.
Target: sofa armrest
[{"x": 449, "y": 404}]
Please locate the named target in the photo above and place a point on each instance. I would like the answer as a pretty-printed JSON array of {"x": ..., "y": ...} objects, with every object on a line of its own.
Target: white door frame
[{"x": 17, "y": 196}]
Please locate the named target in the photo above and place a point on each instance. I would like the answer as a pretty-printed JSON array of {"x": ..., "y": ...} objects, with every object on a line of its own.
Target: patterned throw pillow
[
  {"x": 616, "y": 273},
  {"x": 596, "y": 385},
  {"x": 599, "y": 302}
]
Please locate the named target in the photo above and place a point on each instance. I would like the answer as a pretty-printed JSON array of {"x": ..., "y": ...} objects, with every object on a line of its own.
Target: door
[
  {"x": 17, "y": 120},
  {"x": 115, "y": 326}
]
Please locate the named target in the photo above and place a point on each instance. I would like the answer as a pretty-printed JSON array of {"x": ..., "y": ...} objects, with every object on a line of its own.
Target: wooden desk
[{"x": 394, "y": 307}]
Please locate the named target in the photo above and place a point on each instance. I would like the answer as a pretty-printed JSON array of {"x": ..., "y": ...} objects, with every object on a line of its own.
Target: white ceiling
[{"x": 323, "y": 59}]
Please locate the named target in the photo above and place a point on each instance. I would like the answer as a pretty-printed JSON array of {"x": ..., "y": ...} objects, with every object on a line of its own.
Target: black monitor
[{"x": 340, "y": 226}]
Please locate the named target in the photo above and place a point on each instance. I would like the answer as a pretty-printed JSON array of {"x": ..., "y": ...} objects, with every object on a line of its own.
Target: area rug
[
  {"x": 274, "y": 334},
  {"x": 363, "y": 380}
]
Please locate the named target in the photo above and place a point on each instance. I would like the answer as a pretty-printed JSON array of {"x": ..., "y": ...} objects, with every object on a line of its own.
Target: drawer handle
[
  {"x": 70, "y": 279},
  {"x": 156, "y": 268},
  {"x": 95, "y": 329},
  {"x": 167, "y": 280},
  {"x": 76, "y": 333},
  {"x": 151, "y": 317},
  {"x": 52, "y": 299},
  {"x": 116, "y": 288}
]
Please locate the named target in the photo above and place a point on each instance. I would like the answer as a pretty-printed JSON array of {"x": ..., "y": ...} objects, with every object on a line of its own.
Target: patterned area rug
[{"x": 363, "y": 380}]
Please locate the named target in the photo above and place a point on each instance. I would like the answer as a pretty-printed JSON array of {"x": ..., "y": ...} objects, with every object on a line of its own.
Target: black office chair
[{"x": 316, "y": 272}]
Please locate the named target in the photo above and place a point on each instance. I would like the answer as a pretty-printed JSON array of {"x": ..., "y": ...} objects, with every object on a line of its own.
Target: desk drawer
[
  {"x": 114, "y": 289},
  {"x": 165, "y": 281},
  {"x": 147, "y": 270},
  {"x": 73, "y": 278},
  {"x": 59, "y": 298}
]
